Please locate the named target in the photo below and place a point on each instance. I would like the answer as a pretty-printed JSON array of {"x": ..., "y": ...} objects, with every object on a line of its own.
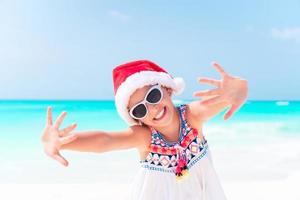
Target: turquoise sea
[{"x": 263, "y": 134}]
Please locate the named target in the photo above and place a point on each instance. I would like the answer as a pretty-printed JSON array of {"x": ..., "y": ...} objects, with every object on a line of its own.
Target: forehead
[{"x": 138, "y": 95}]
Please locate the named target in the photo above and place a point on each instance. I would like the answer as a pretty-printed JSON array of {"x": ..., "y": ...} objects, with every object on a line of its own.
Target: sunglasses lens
[
  {"x": 154, "y": 96},
  {"x": 139, "y": 111}
]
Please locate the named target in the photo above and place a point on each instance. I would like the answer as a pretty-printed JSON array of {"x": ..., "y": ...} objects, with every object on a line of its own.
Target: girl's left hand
[{"x": 231, "y": 89}]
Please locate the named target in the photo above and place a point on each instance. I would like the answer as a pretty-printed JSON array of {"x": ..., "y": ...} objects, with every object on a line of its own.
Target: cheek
[
  {"x": 148, "y": 119},
  {"x": 146, "y": 122},
  {"x": 167, "y": 102}
]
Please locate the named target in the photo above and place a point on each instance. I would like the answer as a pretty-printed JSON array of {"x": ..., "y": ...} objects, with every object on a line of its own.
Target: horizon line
[{"x": 114, "y": 100}]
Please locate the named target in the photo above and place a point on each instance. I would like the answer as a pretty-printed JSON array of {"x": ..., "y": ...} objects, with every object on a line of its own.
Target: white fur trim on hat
[{"x": 139, "y": 80}]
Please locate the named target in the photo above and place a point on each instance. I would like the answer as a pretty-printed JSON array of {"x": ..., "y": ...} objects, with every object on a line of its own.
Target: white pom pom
[{"x": 180, "y": 85}]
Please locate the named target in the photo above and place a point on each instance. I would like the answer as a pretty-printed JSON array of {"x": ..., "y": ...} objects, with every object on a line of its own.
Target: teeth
[{"x": 160, "y": 114}]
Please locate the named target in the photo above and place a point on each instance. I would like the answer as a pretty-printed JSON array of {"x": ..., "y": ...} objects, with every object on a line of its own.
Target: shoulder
[
  {"x": 142, "y": 134},
  {"x": 193, "y": 117},
  {"x": 193, "y": 109}
]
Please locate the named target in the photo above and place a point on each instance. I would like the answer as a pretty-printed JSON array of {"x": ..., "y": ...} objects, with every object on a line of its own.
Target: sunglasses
[{"x": 153, "y": 96}]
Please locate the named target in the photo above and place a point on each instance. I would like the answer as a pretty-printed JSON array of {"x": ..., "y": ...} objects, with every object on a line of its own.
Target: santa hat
[{"x": 131, "y": 76}]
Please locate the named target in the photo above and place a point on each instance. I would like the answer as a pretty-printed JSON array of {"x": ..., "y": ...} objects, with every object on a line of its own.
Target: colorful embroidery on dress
[{"x": 177, "y": 157}]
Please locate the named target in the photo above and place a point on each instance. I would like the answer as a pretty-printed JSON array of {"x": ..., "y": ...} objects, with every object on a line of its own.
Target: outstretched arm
[
  {"x": 231, "y": 92},
  {"x": 102, "y": 141},
  {"x": 55, "y": 139}
]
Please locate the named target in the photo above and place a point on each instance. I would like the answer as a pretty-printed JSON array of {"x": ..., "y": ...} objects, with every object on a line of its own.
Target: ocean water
[{"x": 260, "y": 142}]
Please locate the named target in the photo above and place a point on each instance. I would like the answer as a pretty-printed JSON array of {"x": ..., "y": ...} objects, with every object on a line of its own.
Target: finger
[
  {"x": 219, "y": 69},
  {"x": 60, "y": 159},
  {"x": 60, "y": 119},
  {"x": 207, "y": 92},
  {"x": 213, "y": 100},
  {"x": 49, "y": 116},
  {"x": 68, "y": 139},
  {"x": 67, "y": 130},
  {"x": 210, "y": 81},
  {"x": 231, "y": 111}
]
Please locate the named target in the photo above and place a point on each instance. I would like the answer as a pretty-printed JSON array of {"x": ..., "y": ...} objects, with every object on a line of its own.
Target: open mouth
[{"x": 161, "y": 114}]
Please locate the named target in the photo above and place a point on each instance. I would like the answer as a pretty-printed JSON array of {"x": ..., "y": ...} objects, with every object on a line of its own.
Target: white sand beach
[
  {"x": 262, "y": 190},
  {"x": 275, "y": 175}
]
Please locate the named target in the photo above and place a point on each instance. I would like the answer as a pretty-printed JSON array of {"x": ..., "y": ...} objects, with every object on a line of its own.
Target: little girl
[{"x": 174, "y": 156}]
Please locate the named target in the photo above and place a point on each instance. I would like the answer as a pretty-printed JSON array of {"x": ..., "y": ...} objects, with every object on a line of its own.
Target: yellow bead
[
  {"x": 185, "y": 174},
  {"x": 179, "y": 178}
]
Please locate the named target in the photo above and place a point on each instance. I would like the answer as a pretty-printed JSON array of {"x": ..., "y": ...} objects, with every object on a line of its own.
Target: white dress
[{"x": 156, "y": 179}]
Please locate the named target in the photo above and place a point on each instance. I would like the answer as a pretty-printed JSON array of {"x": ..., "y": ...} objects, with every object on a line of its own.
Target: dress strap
[
  {"x": 154, "y": 135},
  {"x": 185, "y": 127}
]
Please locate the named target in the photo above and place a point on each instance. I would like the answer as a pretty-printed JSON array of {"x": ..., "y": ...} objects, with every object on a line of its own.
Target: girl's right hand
[{"x": 53, "y": 138}]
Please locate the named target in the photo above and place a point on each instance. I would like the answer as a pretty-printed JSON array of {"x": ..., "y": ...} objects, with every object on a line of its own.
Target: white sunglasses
[{"x": 153, "y": 96}]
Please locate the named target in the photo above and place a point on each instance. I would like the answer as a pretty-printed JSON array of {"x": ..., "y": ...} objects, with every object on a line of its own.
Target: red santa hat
[{"x": 131, "y": 76}]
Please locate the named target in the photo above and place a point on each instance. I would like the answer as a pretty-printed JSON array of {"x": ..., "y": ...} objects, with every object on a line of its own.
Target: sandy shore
[
  {"x": 260, "y": 190},
  {"x": 95, "y": 191},
  {"x": 257, "y": 163},
  {"x": 268, "y": 171}
]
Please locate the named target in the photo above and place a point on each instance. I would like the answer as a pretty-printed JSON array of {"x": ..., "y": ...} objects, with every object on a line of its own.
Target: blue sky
[{"x": 67, "y": 49}]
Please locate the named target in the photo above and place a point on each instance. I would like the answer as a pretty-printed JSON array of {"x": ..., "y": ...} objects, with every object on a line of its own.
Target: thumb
[
  {"x": 60, "y": 159},
  {"x": 232, "y": 110}
]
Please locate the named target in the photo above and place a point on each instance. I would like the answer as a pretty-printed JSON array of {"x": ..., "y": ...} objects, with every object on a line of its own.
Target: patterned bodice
[{"x": 164, "y": 155}]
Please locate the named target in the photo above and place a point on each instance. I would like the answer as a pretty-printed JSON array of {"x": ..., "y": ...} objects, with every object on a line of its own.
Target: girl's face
[{"x": 159, "y": 115}]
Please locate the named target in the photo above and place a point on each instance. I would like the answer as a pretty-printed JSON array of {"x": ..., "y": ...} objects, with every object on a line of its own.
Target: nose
[{"x": 152, "y": 108}]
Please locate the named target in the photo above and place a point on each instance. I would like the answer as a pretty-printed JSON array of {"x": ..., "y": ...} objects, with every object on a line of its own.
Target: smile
[{"x": 161, "y": 114}]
